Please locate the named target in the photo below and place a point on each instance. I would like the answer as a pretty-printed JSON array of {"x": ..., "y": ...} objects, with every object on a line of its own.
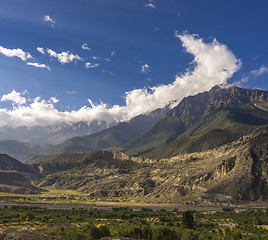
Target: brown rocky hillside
[{"x": 234, "y": 172}]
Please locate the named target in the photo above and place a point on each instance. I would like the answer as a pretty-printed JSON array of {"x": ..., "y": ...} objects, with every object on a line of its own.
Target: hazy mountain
[
  {"x": 51, "y": 134},
  {"x": 110, "y": 138},
  {"x": 19, "y": 150},
  {"x": 206, "y": 120}
]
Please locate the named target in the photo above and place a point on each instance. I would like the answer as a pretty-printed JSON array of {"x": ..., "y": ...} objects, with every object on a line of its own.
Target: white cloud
[
  {"x": 85, "y": 47},
  {"x": 96, "y": 58},
  {"x": 253, "y": 74},
  {"x": 91, "y": 103},
  {"x": 91, "y": 65},
  {"x": 113, "y": 53},
  {"x": 151, "y": 5},
  {"x": 213, "y": 64},
  {"x": 101, "y": 59},
  {"x": 39, "y": 65},
  {"x": 64, "y": 57},
  {"x": 260, "y": 71},
  {"x": 41, "y": 50},
  {"x": 49, "y": 19},
  {"x": 14, "y": 97},
  {"x": 15, "y": 53},
  {"x": 241, "y": 83},
  {"x": 53, "y": 100},
  {"x": 145, "y": 68}
]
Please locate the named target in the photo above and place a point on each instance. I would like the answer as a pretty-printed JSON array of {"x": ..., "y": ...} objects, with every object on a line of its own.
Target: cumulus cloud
[
  {"x": 213, "y": 64},
  {"x": 37, "y": 65},
  {"x": 85, "y": 47},
  {"x": 41, "y": 50},
  {"x": 145, "y": 68},
  {"x": 50, "y": 20},
  {"x": 19, "y": 53},
  {"x": 260, "y": 71},
  {"x": 64, "y": 57},
  {"x": 14, "y": 97},
  {"x": 91, "y": 65}
]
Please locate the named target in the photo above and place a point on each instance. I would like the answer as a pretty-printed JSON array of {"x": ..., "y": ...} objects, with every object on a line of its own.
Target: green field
[{"x": 143, "y": 224}]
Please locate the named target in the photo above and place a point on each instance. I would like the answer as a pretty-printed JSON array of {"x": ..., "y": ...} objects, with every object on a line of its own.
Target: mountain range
[
  {"x": 39, "y": 135},
  {"x": 218, "y": 116},
  {"x": 113, "y": 137},
  {"x": 211, "y": 147},
  {"x": 232, "y": 173}
]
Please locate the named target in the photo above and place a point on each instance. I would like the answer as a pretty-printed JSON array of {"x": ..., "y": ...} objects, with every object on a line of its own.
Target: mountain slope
[
  {"x": 233, "y": 112},
  {"x": 237, "y": 171},
  {"x": 15, "y": 176},
  {"x": 110, "y": 138},
  {"x": 17, "y": 149},
  {"x": 8, "y": 163}
]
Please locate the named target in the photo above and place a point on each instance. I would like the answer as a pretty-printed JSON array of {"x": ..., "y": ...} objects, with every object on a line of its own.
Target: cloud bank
[{"x": 213, "y": 64}]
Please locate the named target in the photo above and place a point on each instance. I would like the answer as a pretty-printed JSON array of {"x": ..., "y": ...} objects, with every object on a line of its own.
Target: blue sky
[{"x": 128, "y": 45}]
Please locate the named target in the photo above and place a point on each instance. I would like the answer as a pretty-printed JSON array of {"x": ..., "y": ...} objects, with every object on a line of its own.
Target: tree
[
  {"x": 187, "y": 219},
  {"x": 164, "y": 233}
]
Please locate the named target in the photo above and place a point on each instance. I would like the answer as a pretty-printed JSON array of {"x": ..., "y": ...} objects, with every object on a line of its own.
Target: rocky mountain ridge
[
  {"x": 235, "y": 172},
  {"x": 113, "y": 137},
  {"x": 52, "y": 134},
  {"x": 232, "y": 111}
]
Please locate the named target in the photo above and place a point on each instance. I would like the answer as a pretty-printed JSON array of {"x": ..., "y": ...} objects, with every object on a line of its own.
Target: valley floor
[
  {"x": 37, "y": 222},
  {"x": 52, "y": 198}
]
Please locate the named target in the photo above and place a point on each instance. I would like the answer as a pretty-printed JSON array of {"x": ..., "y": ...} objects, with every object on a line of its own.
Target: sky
[{"x": 83, "y": 60}]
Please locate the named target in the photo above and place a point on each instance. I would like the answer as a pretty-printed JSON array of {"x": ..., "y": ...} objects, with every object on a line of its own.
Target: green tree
[
  {"x": 105, "y": 232},
  {"x": 164, "y": 233},
  {"x": 188, "y": 219}
]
